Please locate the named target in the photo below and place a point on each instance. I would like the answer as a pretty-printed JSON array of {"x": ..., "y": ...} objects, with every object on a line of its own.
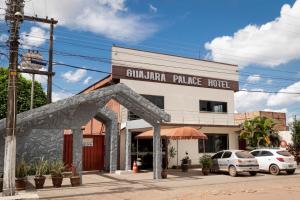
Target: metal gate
[{"x": 92, "y": 152}]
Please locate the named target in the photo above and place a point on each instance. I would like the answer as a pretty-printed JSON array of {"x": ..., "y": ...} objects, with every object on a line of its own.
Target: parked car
[
  {"x": 275, "y": 160},
  {"x": 235, "y": 161}
]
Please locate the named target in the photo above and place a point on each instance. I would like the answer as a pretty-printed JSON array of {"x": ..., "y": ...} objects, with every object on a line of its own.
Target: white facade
[{"x": 182, "y": 101}]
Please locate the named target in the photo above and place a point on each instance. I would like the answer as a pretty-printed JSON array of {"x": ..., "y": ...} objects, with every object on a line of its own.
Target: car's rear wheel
[
  {"x": 232, "y": 171},
  {"x": 253, "y": 173},
  {"x": 274, "y": 170},
  {"x": 290, "y": 171}
]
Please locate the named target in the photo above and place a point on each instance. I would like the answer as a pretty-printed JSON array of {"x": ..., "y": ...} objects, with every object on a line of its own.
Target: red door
[{"x": 93, "y": 152}]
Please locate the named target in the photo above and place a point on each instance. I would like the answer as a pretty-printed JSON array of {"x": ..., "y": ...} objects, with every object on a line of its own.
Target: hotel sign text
[{"x": 172, "y": 78}]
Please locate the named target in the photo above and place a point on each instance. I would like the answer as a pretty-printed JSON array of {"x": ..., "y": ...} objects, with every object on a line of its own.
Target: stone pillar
[
  {"x": 128, "y": 150},
  {"x": 114, "y": 146},
  {"x": 107, "y": 146},
  {"x": 157, "y": 152},
  {"x": 77, "y": 151}
]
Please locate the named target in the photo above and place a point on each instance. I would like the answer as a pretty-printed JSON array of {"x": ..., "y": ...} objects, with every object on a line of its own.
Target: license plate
[{"x": 290, "y": 166}]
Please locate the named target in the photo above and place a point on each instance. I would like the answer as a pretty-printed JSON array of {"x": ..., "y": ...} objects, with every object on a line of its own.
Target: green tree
[
  {"x": 295, "y": 128},
  {"x": 260, "y": 132},
  {"x": 23, "y": 93}
]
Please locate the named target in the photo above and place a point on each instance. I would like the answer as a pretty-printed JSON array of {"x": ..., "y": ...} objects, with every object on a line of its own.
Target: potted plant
[
  {"x": 21, "y": 174},
  {"x": 1, "y": 182},
  {"x": 57, "y": 168},
  {"x": 75, "y": 178},
  {"x": 206, "y": 163},
  {"x": 185, "y": 162},
  {"x": 41, "y": 168},
  {"x": 171, "y": 154}
]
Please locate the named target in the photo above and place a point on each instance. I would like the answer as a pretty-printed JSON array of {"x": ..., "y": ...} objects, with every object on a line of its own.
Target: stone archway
[{"x": 49, "y": 121}]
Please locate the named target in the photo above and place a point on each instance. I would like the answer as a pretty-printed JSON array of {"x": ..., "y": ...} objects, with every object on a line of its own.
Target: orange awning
[{"x": 175, "y": 134}]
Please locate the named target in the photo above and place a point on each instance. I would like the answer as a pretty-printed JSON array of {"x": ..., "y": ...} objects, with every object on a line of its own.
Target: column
[
  {"x": 114, "y": 146},
  {"x": 157, "y": 152},
  {"x": 107, "y": 147},
  {"x": 127, "y": 150},
  {"x": 77, "y": 151}
]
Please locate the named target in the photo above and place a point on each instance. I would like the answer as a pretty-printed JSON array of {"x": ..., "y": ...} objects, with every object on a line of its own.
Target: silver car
[{"x": 235, "y": 161}]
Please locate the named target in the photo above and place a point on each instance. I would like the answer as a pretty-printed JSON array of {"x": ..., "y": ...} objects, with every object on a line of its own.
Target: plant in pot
[
  {"x": 206, "y": 163},
  {"x": 75, "y": 178},
  {"x": 171, "y": 154},
  {"x": 41, "y": 168},
  {"x": 21, "y": 175},
  {"x": 57, "y": 168},
  {"x": 185, "y": 162},
  {"x": 1, "y": 182}
]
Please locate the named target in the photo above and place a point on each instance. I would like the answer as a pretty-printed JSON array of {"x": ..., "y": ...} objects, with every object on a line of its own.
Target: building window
[
  {"x": 213, "y": 106},
  {"x": 159, "y": 101},
  {"x": 214, "y": 143}
]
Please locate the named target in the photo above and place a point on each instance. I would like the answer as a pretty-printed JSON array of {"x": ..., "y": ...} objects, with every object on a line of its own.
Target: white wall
[
  {"x": 182, "y": 102},
  {"x": 175, "y": 64}
]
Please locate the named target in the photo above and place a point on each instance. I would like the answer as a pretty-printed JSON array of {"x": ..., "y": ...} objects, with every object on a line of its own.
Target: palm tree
[{"x": 260, "y": 132}]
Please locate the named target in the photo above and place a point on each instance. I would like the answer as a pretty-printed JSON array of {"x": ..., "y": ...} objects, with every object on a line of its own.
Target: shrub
[{"x": 206, "y": 161}]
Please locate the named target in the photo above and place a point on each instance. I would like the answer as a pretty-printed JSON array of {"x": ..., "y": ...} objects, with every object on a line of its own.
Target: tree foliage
[
  {"x": 295, "y": 128},
  {"x": 23, "y": 93},
  {"x": 260, "y": 132}
]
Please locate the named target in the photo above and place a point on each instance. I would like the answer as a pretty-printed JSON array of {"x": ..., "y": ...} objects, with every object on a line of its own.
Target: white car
[
  {"x": 275, "y": 160},
  {"x": 235, "y": 161}
]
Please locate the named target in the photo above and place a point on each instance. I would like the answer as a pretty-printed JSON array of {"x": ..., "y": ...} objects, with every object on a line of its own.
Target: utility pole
[
  {"x": 50, "y": 63},
  {"x": 15, "y": 13}
]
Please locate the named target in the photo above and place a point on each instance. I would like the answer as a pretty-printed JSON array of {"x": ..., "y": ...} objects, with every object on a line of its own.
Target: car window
[
  {"x": 217, "y": 155},
  {"x": 284, "y": 153},
  {"x": 255, "y": 153},
  {"x": 266, "y": 153},
  {"x": 227, "y": 154},
  {"x": 243, "y": 154}
]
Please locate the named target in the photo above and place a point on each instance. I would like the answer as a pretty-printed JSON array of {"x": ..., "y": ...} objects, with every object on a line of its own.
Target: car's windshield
[
  {"x": 243, "y": 154},
  {"x": 283, "y": 153}
]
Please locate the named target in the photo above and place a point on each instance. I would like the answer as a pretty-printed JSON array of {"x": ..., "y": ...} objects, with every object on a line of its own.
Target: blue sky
[{"x": 262, "y": 37}]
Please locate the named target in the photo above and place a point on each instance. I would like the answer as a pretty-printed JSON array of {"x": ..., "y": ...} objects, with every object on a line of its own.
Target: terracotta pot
[
  {"x": 1, "y": 184},
  {"x": 75, "y": 181},
  {"x": 205, "y": 171},
  {"x": 21, "y": 183},
  {"x": 164, "y": 174},
  {"x": 39, "y": 182},
  {"x": 185, "y": 167},
  {"x": 57, "y": 181}
]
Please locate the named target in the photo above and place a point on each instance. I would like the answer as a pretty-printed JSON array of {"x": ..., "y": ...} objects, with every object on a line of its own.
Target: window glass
[
  {"x": 255, "y": 153},
  {"x": 227, "y": 154},
  {"x": 217, "y": 155},
  {"x": 159, "y": 101},
  {"x": 284, "y": 153},
  {"x": 214, "y": 143},
  {"x": 243, "y": 154},
  {"x": 266, "y": 153},
  {"x": 213, "y": 106}
]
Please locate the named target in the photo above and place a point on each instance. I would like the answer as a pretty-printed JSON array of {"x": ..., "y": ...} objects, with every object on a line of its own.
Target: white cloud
[
  {"x": 110, "y": 18},
  {"x": 282, "y": 110},
  {"x": 87, "y": 80},
  {"x": 253, "y": 78},
  {"x": 152, "y": 8},
  {"x": 3, "y": 37},
  {"x": 271, "y": 44},
  {"x": 285, "y": 99},
  {"x": 56, "y": 96},
  {"x": 74, "y": 76},
  {"x": 250, "y": 101},
  {"x": 34, "y": 38}
]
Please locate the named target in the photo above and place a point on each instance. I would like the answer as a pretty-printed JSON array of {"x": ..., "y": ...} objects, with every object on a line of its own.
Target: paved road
[{"x": 179, "y": 186}]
